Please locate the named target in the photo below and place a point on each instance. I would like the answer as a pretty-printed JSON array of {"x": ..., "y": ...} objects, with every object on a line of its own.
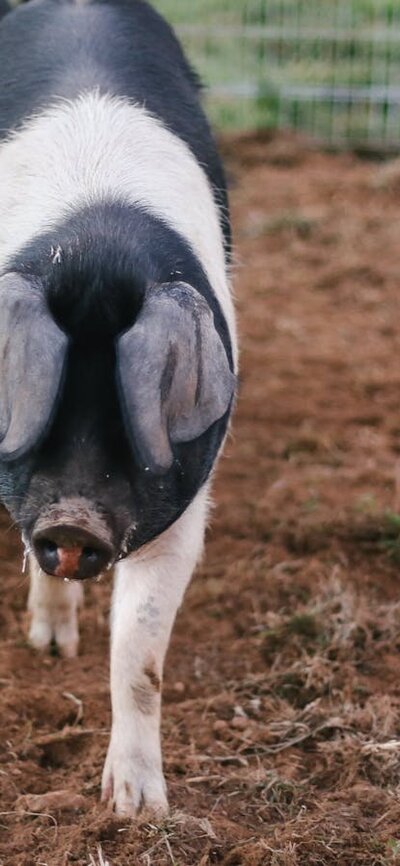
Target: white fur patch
[
  {"x": 54, "y": 606},
  {"x": 100, "y": 148}
]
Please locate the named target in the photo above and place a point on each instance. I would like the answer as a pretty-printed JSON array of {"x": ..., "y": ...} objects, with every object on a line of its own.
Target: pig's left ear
[
  {"x": 174, "y": 374},
  {"x": 32, "y": 356}
]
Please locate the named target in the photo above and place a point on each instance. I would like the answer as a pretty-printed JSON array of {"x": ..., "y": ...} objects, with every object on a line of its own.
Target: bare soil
[{"x": 281, "y": 723}]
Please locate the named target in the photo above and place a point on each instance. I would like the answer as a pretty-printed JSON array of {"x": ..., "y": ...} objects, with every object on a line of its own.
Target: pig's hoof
[
  {"x": 40, "y": 635},
  {"x": 133, "y": 788},
  {"x": 65, "y": 636}
]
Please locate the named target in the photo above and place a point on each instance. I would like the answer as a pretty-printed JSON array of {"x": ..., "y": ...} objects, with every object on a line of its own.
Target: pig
[{"x": 118, "y": 351}]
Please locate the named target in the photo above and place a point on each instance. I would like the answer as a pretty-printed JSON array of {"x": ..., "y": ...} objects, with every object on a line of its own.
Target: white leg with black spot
[{"x": 148, "y": 591}]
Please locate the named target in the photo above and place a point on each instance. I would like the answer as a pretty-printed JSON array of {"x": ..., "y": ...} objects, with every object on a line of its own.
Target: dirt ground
[{"x": 281, "y": 722}]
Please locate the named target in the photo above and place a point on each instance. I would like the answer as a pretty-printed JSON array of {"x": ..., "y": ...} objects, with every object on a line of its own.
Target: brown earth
[{"x": 281, "y": 719}]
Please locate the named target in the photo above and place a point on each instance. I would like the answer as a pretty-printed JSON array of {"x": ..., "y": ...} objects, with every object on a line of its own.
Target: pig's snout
[{"x": 71, "y": 552}]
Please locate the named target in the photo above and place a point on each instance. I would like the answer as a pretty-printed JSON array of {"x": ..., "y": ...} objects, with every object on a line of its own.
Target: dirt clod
[{"x": 53, "y": 801}]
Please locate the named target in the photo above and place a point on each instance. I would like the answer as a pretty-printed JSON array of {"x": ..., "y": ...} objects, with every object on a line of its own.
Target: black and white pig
[{"x": 117, "y": 338}]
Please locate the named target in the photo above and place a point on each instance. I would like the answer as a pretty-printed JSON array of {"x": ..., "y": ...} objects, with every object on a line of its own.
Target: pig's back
[{"x": 55, "y": 50}]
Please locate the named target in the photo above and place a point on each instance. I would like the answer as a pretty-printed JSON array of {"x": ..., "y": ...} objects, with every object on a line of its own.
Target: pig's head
[{"x": 107, "y": 435}]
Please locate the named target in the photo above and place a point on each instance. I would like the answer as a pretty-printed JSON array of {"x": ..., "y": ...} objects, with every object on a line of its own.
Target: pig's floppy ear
[
  {"x": 32, "y": 357},
  {"x": 174, "y": 374}
]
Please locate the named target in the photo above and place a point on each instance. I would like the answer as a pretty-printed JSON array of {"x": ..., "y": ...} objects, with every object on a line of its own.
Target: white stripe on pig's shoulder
[{"x": 101, "y": 148}]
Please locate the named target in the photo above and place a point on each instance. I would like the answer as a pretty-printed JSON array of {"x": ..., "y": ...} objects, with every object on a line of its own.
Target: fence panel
[{"x": 328, "y": 67}]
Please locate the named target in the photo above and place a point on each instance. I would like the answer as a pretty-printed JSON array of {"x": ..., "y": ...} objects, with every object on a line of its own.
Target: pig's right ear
[{"x": 32, "y": 357}]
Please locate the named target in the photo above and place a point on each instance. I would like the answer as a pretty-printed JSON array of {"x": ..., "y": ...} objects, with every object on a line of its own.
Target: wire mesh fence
[{"x": 328, "y": 67}]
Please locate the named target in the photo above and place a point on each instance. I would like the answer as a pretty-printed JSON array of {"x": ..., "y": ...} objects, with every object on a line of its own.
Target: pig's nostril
[
  {"x": 93, "y": 560},
  {"x": 47, "y": 554},
  {"x": 90, "y": 553},
  {"x": 48, "y": 545}
]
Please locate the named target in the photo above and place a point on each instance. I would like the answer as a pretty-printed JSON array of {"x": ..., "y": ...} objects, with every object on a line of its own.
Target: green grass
[
  {"x": 227, "y": 59},
  {"x": 271, "y": 11}
]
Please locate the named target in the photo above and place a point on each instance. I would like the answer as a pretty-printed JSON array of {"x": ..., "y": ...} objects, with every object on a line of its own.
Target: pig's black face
[
  {"x": 82, "y": 500},
  {"x": 110, "y": 416}
]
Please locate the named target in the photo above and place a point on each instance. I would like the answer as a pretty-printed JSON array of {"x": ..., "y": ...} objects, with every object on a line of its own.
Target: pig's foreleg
[
  {"x": 148, "y": 591},
  {"x": 53, "y": 605}
]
